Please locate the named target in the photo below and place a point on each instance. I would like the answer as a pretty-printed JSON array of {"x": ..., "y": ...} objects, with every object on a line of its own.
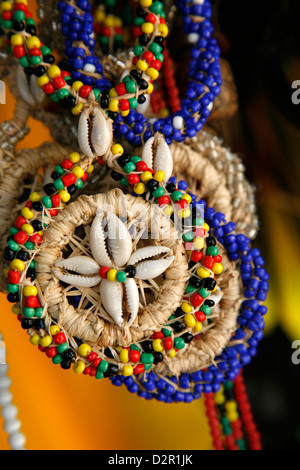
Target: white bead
[
  {"x": 5, "y": 383},
  {"x": 12, "y": 426},
  {"x": 3, "y": 369},
  {"x": 5, "y": 398},
  {"x": 193, "y": 37},
  {"x": 142, "y": 108},
  {"x": 198, "y": 2},
  {"x": 178, "y": 122},
  {"x": 210, "y": 106},
  {"x": 17, "y": 441},
  {"x": 90, "y": 68},
  {"x": 9, "y": 412}
]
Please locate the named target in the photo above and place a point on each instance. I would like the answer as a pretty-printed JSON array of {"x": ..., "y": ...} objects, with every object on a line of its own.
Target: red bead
[
  {"x": 137, "y": 32},
  {"x": 96, "y": 362},
  {"x": 100, "y": 161},
  {"x": 36, "y": 239},
  {"x": 93, "y": 372},
  {"x": 67, "y": 164},
  {"x": 34, "y": 51},
  {"x": 141, "y": 166},
  {"x": 7, "y": 15},
  {"x": 139, "y": 369},
  {"x": 147, "y": 56},
  {"x": 106, "y": 31},
  {"x": 20, "y": 6},
  {"x": 84, "y": 91},
  {"x": 121, "y": 89},
  {"x": 201, "y": 317},
  {"x": 156, "y": 64},
  {"x": 124, "y": 105},
  {"x": 48, "y": 89},
  {"x": 208, "y": 262},
  {"x": 133, "y": 179},
  {"x": 163, "y": 200},
  {"x": 134, "y": 60},
  {"x": 69, "y": 179},
  {"x": 199, "y": 232},
  {"x": 196, "y": 256},
  {"x": 134, "y": 356},
  {"x": 58, "y": 82},
  {"x": 28, "y": 204},
  {"x": 42, "y": 348},
  {"x": 168, "y": 343},
  {"x": 21, "y": 238},
  {"x": 64, "y": 74},
  {"x": 31, "y": 302},
  {"x": 181, "y": 204},
  {"x": 55, "y": 200},
  {"x": 150, "y": 18},
  {"x": 87, "y": 370},
  {"x": 53, "y": 212},
  {"x": 196, "y": 299},
  {"x": 13, "y": 277},
  {"x": 218, "y": 259},
  {"x": 84, "y": 177},
  {"x": 20, "y": 221},
  {"x": 158, "y": 335},
  {"x": 92, "y": 356},
  {"x": 18, "y": 51},
  {"x": 60, "y": 338},
  {"x": 51, "y": 352},
  {"x": 162, "y": 20},
  {"x": 103, "y": 271}
]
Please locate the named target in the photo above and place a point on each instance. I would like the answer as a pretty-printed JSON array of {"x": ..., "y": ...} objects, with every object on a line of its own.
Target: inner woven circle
[{"x": 91, "y": 324}]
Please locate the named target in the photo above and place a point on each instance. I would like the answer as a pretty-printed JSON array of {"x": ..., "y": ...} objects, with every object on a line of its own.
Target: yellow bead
[
  {"x": 99, "y": 16},
  {"x": 168, "y": 210},
  {"x": 114, "y": 105},
  {"x": 159, "y": 176},
  {"x": 152, "y": 73},
  {"x": 150, "y": 89},
  {"x": 163, "y": 30},
  {"x": 127, "y": 371},
  {"x": 117, "y": 149},
  {"x": 46, "y": 341},
  {"x": 186, "y": 307},
  {"x": 64, "y": 195},
  {"x": 139, "y": 188},
  {"x": 6, "y": 6},
  {"x": 6, "y": 271},
  {"x": 142, "y": 65},
  {"x": 16, "y": 40},
  {"x": 157, "y": 345},
  {"x": 79, "y": 367},
  {"x": 184, "y": 213},
  {"x": 145, "y": 3},
  {"x": 198, "y": 243},
  {"x": 187, "y": 197},
  {"x": 28, "y": 229},
  {"x": 118, "y": 23},
  {"x": 113, "y": 93},
  {"x": 232, "y": 416},
  {"x": 112, "y": 275},
  {"x": 164, "y": 112},
  {"x": 54, "y": 71},
  {"x": 147, "y": 28},
  {"x": 18, "y": 265},
  {"x": 84, "y": 350},
  {"x": 42, "y": 81},
  {"x": 124, "y": 356},
  {"x": 190, "y": 320},
  {"x": 77, "y": 85},
  {"x": 198, "y": 327},
  {"x": 77, "y": 109},
  {"x": 172, "y": 353},
  {"x": 125, "y": 113},
  {"x": 15, "y": 310},
  {"x": 90, "y": 169},
  {"x": 230, "y": 406},
  {"x": 26, "y": 212},
  {"x": 218, "y": 268},
  {"x": 33, "y": 42},
  {"x": 219, "y": 398},
  {"x": 202, "y": 272},
  {"x": 74, "y": 157},
  {"x": 30, "y": 291},
  {"x": 206, "y": 227},
  {"x": 109, "y": 21},
  {"x": 35, "y": 340},
  {"x": 78, "y": 171},
  {"x": 34, "y": 197},
  {"x": 146, "y": 176},
  {"x": 54, "y": 329}
]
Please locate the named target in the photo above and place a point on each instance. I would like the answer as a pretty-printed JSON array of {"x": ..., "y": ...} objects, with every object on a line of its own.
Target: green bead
[
  {"x": 55, "y": 97},
  {"x": 134, "y": 347},
  {"x": 12, "y": 288},
  {"x": 135, "y": 159},
  {"x": 30, "y": 246},
  {"x": 46, "y": 200},
  {"x": 138, "y": 50},
  {"x": 179, "y": 343},
  {"x": 19, "y": 15},
  {"x": 160, "y": 57},
  {"x": 226, "y": 425},
  {"x": 58, "y": 184},
  {"x": 121, "y": 276},
  {"x": 204, "y": 292},
  {"x": 36, "y": 60},
  {"x": 63, "y": 347},
  {"x": 166, "y": 332},
  {"x": 57, "y": 359},
  {"x": 229, "y": 385},
  {"x": 63, "y": 93},
  {"x": 24, "y": 62},
  {"x": 127, "y": 78},
  {"x": 6, "y": 24},
  {"x": 159, "y": 192},
  {"x": 124, "y": 181},
  {"x": 30, "y": 21},
  {"x": 28, "y": 312},
  {"x": 156, "y": 7},
  {"x": 147, "y": 366},
  {"x": 110, "y": 3},
  {"x": 79, "y": 184},
  {"x": 172, "y": 317},
  {"x": 103, "y": 40},
  {"x": 97, "y": 93},
  {"x": 139, "y": 21},
  {"x": 38, "y": 312},
  {"x": 198, "y": 221},
  {"x": 45, "y": 50},
  {"x": 176, "y": 196},
  {"x": 155, "y": 48},
  {"x": 188, "y": 236},
  {"x": 189, "y": 289},
  {"x": 13, "y": 245},
  {"x": 242, "y": 444},
  {"x": 212, "y": 250},
  {"x": 13, "y": 231},
  {"x": 147, "y": 358},
  {"x": 133, "y": 103},
  {"x": 206, "y": 309},
  {"x": 99, "y": 375},
  {"x": 103, "y": 366},
  {"x": 129, "y": 167},
  {"x": 59, "y": 170}
]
